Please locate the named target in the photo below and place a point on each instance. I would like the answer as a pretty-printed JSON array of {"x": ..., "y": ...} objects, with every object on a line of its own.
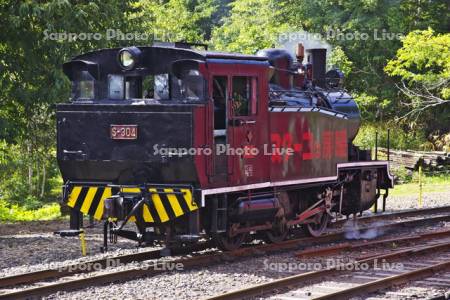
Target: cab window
[
  {"x": 115, "y": 87},
  {"x": 188, "y": 86},
  {"x": 162, "y": 87},
  {"x": 244, "y": 95},
  {"x": 220, "y": 96},
  {"x": 120, "y": 87},
  {"x": 83, "y": 86}
]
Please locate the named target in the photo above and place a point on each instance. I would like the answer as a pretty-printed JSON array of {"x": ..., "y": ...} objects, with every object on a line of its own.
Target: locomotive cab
[
  {"x": 121, "y": 113},
  {"x": 133, "y": 116}
]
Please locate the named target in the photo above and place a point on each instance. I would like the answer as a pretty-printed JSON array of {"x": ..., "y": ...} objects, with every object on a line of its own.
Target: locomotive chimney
[
  {"x": 300, "y": 53},
  {"x": 318, "y": 60}
]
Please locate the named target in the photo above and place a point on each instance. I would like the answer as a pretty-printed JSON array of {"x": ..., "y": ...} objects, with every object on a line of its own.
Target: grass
[
  {"x": 413, "y": 189},
  {"x": 430, "y": 184},
  {"x": 16, "y": 213}
]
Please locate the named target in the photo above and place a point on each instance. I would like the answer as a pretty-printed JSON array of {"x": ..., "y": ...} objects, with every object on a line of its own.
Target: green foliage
[
  {"x": 424, "y": 60},
  {"x": 402, "y": 175},
  {"x": 31, "y": 81},
  {"x": 17, "y": 213},
  {"x": 176, "y": 20},
  {"x": 399, "y": 139},
  {"x": 433, "y": 177},
  {"x": 432, "y": 184},
  {"x": 371, "y": 107},
  {"x": 368, "y": 56},
  {"x": 24, "y": 178},
  {"x": 423, "y": 67},
  {"x": 424, "y": 57},
  {"x": 339, "y": 59},
  {"x": 252, "y": 25}
]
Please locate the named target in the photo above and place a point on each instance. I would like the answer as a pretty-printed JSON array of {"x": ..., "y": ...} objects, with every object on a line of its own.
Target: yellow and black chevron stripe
[{"x": 166, "y": 203}]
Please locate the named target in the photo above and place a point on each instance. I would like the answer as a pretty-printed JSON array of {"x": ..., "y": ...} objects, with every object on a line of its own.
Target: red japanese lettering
[
  {"x": 307, "y": 145},
  {"x": 341, "y": 143},
  {"x": 276, "y": 143},
  {"x": 327, "y": 146}
]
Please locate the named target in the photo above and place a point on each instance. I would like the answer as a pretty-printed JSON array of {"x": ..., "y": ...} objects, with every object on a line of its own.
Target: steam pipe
[{"x": 300, "y": 53}]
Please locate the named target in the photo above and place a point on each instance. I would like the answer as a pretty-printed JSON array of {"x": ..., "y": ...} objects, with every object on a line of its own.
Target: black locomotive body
[{"x": 190, "y": 144}]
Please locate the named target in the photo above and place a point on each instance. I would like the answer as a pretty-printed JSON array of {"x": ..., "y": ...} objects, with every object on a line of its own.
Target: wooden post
[
  {"x": 420, "y": 186},
  {"x": 83, "y": 242}
]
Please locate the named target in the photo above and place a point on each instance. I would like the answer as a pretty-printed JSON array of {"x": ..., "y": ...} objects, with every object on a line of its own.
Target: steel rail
[
  {"x": 403, "y": 213},
  {"x": 189, "y": 262},
  {"x": 332, "y": 237},
  {"x": 298, "y": 280},
  {"x": 383, "y": 283},
  {"x": 86, "y": 266},
  {"x": 351, "y": 246}
]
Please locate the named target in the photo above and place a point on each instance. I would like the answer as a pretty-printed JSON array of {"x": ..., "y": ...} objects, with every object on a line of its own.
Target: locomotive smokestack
[
  {"x": 300, "y": 52},
  {"x": 318, "y": 60}
]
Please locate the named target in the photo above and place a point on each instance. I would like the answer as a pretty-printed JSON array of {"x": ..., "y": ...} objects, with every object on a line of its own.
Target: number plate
[{"x": 124, "y": 132}]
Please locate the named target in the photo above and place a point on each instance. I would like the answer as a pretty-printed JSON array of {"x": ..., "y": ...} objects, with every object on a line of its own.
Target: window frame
[
  {"x": 253, "y": 101},
  {"x": 110, "y": 76},
  {"x": 77, "y": 86}
]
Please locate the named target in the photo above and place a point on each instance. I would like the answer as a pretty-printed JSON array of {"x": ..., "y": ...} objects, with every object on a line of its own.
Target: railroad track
[
  {"x": 157, "y": 267},
  {"x": 85, "y": 267},
  {"x": 365, "y": 277},
  {"x": 400, "y": 214}
]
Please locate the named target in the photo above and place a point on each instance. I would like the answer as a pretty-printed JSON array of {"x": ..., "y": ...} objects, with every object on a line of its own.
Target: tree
[
  {"x": 423, "y": 65},
  {"x": 252, "y": 25},
  {"x": 176, "y": 20},
  {"x": 382, "y": 21},
  {"x": 33, "y": 46},
  {"x": 339, "y": 59}
]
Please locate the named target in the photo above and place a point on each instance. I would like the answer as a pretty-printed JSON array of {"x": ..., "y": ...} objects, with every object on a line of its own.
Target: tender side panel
[{"x": 317, "y": 141}]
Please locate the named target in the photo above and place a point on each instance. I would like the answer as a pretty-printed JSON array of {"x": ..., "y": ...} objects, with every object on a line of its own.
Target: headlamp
[{"x": 128, "y": 57}]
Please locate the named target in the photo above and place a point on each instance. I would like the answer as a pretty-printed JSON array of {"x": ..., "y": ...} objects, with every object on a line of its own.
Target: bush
[
  {"x": 23, "y": 181},
  {"x": 15, "y": 213},
  {"x": 402, "y": 175},
  {"x": 399, "y": 139}
]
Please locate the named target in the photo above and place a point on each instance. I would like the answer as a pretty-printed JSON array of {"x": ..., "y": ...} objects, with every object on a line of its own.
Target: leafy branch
[{"x": 423, "y": 98}]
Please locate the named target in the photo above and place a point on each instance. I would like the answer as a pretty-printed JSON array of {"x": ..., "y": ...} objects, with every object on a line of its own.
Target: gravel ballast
[
  {"x": 216, "y": 279},
  {"x": 33, "y": 246}
]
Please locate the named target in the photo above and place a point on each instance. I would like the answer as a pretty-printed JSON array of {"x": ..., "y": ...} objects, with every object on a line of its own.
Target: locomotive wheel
[
  {"x": 316, "y": 229},
  {"x": 228, "y": 241},
  {"x": 277, "y": 234}
]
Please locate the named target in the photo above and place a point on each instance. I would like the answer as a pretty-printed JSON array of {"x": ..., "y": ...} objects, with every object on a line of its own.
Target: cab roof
[{"x": 155, "y": 59}]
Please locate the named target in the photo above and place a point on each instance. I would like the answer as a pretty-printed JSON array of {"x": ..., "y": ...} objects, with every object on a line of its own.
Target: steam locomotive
[{"x": 188, "y": 144}]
